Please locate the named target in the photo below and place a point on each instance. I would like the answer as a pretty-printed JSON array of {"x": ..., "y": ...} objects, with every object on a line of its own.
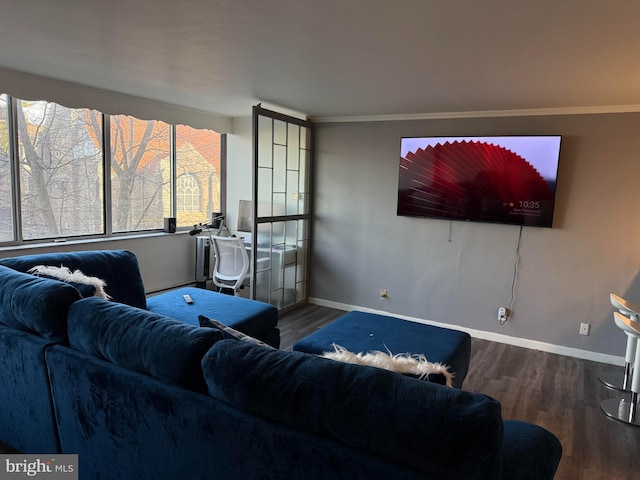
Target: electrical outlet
[
  {"x": 383, "y": 294},
  {"x": 503, "y": 314},
  {"x": 584, "y": 328}
]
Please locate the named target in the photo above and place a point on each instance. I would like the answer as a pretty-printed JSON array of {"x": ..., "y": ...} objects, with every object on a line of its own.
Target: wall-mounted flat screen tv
[{"x": 510, "y": 179}]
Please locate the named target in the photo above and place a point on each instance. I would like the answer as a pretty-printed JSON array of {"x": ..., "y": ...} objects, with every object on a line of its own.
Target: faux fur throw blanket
[
  {"x": 401, "y": 363},
  {"x": 66, "y": 275}
]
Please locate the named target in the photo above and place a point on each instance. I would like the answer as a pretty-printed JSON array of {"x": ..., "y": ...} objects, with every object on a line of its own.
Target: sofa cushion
[
  {"x": 141, "y": 341},
  {"x": 34, "y": 304},
  {"x": 392, "y": 416},
  {"x": 229, "y": 333},
  {"x": 118, "y": 268}
]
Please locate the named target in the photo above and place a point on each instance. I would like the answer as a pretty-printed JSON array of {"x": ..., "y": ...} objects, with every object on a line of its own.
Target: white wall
[
  {"x": 239, "y": 168},
  {"x": 32, "y": 87},
  {"x": 459, "y": 273}
]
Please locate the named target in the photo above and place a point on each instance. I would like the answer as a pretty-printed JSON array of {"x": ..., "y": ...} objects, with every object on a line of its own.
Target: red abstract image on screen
[{"x": 475, "y": 180}]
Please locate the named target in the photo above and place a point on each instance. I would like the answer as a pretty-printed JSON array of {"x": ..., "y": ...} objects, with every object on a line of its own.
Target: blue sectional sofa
[{"x": 139, "y": 395}]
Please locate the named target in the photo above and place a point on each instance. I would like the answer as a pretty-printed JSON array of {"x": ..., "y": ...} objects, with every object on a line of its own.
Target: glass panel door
[{"x": 282, "y": 208}]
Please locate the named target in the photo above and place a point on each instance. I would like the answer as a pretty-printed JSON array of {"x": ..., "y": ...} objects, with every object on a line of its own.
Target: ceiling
[{"x": 336, "y": 58}]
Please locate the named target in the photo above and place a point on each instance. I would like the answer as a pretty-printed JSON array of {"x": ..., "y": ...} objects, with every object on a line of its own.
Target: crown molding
[{"x": 599, "y": 110}]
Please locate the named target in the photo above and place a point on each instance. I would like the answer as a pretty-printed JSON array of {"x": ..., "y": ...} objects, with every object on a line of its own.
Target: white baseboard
[{"x": 494, "y": 337}]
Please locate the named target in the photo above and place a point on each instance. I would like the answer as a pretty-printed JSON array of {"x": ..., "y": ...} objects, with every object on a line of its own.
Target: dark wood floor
[{"x": 560, "y": 393}]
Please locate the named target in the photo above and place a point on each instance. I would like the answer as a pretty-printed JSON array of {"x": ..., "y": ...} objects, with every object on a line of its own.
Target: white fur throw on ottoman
[{"x": 404, "y": 363}]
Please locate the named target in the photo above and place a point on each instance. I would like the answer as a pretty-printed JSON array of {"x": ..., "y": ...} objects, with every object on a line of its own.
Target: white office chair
[
  {"x": 231, "y": 266},
  {"x": 616, "y": 379},
  {"x": 624, "y": 409}
]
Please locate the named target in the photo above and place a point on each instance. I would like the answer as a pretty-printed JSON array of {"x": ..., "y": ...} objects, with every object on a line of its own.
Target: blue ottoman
[
  {"x": 253, "y": 318},
  {"x": 365, "y": 332}
]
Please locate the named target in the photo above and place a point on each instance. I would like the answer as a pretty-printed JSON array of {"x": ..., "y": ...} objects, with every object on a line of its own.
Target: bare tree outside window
[
  {"x": 140, "y": 173},
  {"x": 60, "y": 172}
]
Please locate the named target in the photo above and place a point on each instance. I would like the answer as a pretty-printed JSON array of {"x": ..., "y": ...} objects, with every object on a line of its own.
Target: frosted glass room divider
[{"x": 283, "y": 156}]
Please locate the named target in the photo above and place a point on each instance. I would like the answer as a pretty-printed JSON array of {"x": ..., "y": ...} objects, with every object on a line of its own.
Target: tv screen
[{"x": 510, "y": 179}]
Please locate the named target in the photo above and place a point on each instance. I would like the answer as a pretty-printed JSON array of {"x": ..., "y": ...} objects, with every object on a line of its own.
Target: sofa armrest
[
  {"x": 37, "y": 305},
  {"x": 529, "y": 452}
]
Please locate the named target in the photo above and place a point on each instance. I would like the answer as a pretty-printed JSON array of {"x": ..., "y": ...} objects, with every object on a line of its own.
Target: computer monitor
[
  {"x": 245, "y": 216},
  {"x": 245, "y": 220}
]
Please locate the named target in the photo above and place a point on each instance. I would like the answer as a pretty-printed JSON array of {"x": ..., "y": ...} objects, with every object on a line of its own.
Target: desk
[
  {"x": 276, "y": 269},
  {"x": 276, "y": 259}
]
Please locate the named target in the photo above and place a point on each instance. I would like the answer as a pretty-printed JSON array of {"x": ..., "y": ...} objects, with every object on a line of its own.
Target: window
[
  {"x": 198, "y": 174},
  {"x": 6, "y": 213},
  {"x": 52, "y": 182},
  {"x": 140, "y": 173},
  {"x": 60, "y": 166}
]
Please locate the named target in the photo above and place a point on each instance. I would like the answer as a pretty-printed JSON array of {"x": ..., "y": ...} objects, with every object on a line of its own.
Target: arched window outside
[{"x": 188, "y": 193}]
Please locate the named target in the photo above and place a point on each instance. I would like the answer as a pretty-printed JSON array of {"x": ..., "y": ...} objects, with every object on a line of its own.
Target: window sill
[{"x": 33, "y": 245}]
